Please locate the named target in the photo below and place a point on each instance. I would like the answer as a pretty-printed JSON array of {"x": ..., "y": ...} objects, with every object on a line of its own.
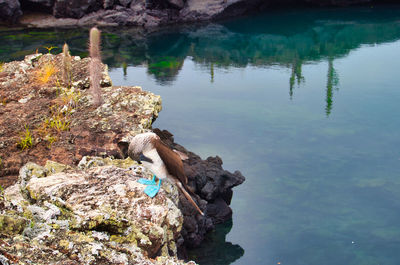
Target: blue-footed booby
[{"x": 148, "y": 149}]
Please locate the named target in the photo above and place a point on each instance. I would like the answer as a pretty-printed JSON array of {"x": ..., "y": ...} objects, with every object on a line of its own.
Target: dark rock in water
[
  {"x": 10, "y": 10},
  {"x": 214, "y": 186},
  {"x": 219, "y": 210}
]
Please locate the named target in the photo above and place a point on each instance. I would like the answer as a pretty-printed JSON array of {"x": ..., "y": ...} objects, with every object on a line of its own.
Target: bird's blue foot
[
  {"x": 152, "y": 190},
  {"x": 147, "y": 181}
]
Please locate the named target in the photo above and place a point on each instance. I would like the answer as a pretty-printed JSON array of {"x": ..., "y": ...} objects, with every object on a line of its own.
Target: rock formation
[
  {"x": 94, "y": 214},
  {"x": 94, "y": 211},
  {"x": 98, "y": 212},
  {"x": 10, "y": 10},
  {"x": 146, "y": 13},
  {"x": 212, "y": 183}
]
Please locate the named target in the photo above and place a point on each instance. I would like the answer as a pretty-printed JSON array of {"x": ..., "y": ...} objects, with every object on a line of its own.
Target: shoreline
[{"x": 155, "y": 16}]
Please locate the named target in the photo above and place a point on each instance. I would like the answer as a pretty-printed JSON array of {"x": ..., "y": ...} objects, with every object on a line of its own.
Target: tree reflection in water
[
  {"x": 284, "y": 38},
  {"x": 332, "y": 83}
]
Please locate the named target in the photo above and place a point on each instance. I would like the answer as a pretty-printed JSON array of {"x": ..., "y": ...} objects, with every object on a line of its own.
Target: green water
[{"x": 305, "y": 103}]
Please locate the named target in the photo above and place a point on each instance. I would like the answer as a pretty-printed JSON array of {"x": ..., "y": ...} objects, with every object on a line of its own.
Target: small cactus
[
  {"x": 95, "y": 43},
  {"x": 95, "y": 67},
  {"x": 66, "y": 73}
]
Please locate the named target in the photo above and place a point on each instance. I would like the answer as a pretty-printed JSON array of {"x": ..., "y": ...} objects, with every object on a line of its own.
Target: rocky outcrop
[
  {"x": 10, "y": 10},
  {"x": 214, "y": 186},
  {"x": 94, "y": 214},
  {"x": 94, "y": 211},
  {"x": 75, "y": 8},
  {"x": 146, "y": 13},
  {"x": 97, "y": 211}
]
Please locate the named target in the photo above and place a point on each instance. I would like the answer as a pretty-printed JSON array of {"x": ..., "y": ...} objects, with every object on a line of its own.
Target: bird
[{"x": 148, "y": 149}]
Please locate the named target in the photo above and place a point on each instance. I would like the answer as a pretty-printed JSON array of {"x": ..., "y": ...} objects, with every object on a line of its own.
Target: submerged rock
[{"x": 93, "y": 215}]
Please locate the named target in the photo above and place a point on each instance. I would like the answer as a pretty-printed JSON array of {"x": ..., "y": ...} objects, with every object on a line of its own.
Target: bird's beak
[{"x": 144, "y": 158}]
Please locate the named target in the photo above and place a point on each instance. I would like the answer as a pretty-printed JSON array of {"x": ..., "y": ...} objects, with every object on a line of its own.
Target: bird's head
[{"x": 140, "y": 144}]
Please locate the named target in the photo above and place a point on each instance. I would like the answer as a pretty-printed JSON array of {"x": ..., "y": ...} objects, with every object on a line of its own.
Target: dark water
[{"x": 304, "y": 103}]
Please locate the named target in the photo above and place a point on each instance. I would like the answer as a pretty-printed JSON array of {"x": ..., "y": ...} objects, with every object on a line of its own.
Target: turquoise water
[
  {"x": 305, "y": 103},
  {"x": 310, "y": 117}
]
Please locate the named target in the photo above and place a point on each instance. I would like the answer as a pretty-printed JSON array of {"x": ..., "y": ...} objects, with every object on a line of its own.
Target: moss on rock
[
  {"x": 54, "y": 167},
  {"x": 12, "y": 224}
]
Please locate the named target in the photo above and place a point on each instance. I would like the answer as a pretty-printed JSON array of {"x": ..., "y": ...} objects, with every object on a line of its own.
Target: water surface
[{"x": 305, "y": 103}]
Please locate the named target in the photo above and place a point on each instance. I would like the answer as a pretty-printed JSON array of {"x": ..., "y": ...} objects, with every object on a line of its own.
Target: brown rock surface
[{"x": 62, "y": 122}]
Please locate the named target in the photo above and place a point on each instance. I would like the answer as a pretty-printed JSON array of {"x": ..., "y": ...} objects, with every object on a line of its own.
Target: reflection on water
[
  {"x": 289, "y": 39},
  {"x": 216, "y": 249},
  {"x": 332, "y": 82},
  {"x": 304, "y": 103},
  {"x": 296, "y": 75}
]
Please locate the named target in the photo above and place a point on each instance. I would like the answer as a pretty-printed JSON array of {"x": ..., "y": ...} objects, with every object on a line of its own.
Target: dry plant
[
  {"x": 53, "y": 125},
  {"x": 3, "y": 101},
  {"x": 59, "y": 123},
  {"x": 69, "y": 99},
  {"x": 43, "y": 130},
  {"x": 60, "y": 119},
  {"x": 44, "y": 73}
]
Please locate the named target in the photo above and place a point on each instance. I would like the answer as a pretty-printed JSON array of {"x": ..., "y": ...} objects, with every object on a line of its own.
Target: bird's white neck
[{"x": 157, "y": 167}]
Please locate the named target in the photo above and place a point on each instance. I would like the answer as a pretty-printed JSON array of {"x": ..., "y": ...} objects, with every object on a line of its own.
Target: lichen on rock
[
  {"x": 12, "y": 224},
  {"x": 96, "y": 213}
]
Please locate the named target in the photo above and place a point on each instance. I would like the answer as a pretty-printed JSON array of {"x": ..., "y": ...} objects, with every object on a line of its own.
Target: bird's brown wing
[{"x": 171, "y": 160}]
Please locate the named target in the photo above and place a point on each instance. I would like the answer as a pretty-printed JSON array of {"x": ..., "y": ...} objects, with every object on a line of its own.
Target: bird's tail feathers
[{"x": 187, "y": 195}]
